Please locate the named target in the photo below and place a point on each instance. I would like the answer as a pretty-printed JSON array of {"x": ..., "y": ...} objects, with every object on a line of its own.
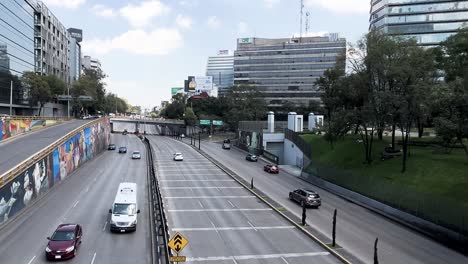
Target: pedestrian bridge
[{"x": 147, "y": 126}]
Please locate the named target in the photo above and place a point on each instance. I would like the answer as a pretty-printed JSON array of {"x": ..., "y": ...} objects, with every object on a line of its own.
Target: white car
[
  {"x": 136, "y": 155},
  {"x": 178, "y": 157}
]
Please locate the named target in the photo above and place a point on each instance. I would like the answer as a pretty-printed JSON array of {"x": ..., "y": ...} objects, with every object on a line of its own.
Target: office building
[
  {"x": 90, "y": 63},
  {"x": 74, "y": 60},
  {"x": 50, "y": 44},
  {"x": 428, "y": 21},
  {"x": 285, "y": 70},
  {"x": 221, "y": 68},
  {"x": 16, "y": 51}
]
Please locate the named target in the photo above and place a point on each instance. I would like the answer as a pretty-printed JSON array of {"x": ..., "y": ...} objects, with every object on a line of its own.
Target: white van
[{"x": 125, "y": 208}]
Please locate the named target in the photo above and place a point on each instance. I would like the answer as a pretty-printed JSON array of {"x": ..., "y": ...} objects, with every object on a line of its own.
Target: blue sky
[{"x": 148, "y": 46}]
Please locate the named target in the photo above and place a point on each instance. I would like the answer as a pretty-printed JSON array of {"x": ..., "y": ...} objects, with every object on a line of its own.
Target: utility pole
[{"x": 11, "y": 98}]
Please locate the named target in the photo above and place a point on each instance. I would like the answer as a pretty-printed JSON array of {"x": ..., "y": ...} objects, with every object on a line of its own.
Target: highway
[
  {"x": 18, "y": 149},
  {"x": 223, "y": 222},
  {"x": 85, "y": 198},
  {"x": 357, "y": 227}
]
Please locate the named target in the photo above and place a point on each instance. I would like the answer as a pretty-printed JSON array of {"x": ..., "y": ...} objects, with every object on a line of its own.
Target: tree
[
  {"x": 39, "y": 90},
  {"x": 57, "y": 86},
  {"x": 245, "y": 103},
  {"x": 190, "y": 118}
]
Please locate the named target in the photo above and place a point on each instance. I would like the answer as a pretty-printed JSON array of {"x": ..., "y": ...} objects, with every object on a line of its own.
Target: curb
[{"x": 298, "y": 226}]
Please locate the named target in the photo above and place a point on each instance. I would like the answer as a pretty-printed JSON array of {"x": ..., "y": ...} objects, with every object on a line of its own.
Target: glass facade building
[
  {"x": 16, "y": 49},
  {"x": 285, "y": 70},
  {"x": 428, "y": 21},
  {"x": 221, "y": 68}
]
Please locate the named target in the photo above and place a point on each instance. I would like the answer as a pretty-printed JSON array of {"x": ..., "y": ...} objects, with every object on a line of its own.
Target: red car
[
  {"x": 271, "y": 168},
  {"x": 64, "y": 242}
]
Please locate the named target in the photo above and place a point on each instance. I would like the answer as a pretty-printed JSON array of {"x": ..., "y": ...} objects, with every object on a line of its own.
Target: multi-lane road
[
  {"x": 85, "y": 198},
  {"x": 357, "y": 227},
  {"x": 14, "y": 151},
  {"x": 223, "y": 222}
]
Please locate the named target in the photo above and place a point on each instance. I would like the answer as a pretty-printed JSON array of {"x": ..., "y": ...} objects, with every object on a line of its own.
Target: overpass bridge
[{"x": 147, "y": 126}]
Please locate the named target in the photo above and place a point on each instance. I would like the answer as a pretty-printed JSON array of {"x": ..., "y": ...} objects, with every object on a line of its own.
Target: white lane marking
[
  {"x": 87, "y": 189},
  {"x": 252, "y": 226},
  {"x": 201, "y": 205},
  {"x": 234, "y": 260},
  {"x": 95, "y": 179},
  {"x": 31, "y": 261},
  {"x": 208, "y": 197},
  {"x": 219, "y": 210},
  {"x": 189, "y": 170},
  {"x": 196, "y": 180},
  {"x": 104, "y": 228},
  {"x": 231, "y": 228},
  {"x": 214, "y": 227},
  {"x": 247, "y": 257},
  {"x": 201, "y": 187},
  {"x": 94, "y": 257},
  {"x": 285, "y": 261},
  {"x": 231, "y": 204},
  {"x": 76, "y": 203}
]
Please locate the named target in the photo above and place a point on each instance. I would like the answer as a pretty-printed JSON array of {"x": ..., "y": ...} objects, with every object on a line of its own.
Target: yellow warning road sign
[
  {"x": 178, "y": 242},
  {"x": 178, "y": 259}
]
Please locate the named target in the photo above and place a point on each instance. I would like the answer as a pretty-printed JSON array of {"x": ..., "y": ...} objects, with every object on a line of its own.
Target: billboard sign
[
  {"x": 245, "y": 40},
  {"x": 176, "y": 90},
  {"x": 199, "y": 83},
  {"x": 76, "y": 34}
]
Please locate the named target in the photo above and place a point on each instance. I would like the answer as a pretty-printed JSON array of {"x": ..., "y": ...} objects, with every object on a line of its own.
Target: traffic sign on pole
[{"x": 177, "y": 242}]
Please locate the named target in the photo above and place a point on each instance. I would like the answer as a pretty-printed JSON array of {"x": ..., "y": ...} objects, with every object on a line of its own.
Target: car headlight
[
  {"x": 69, "y": 249},
  {"x": 134, "y": 222},
  {"x": 47, "y": 249}
]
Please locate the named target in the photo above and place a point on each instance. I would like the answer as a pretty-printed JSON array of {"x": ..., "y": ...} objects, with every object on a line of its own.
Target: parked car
[
  {"x": 63, "y": 244},
  {"x": 125, "y": 132},
  {"x": 306, "y": 198},
  {"x": 178, "y": 157},
  {"x": 136, "y": 155},
  {"x": 111, "y": 147},
  {"x": 271, "y": 168},
  {"x": 123, "y": 149},
  {"x": 227, "y": 144},
  {"x": 251, "y": 157}
]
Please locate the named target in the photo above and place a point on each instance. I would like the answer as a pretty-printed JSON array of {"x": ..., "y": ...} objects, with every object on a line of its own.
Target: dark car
[
  {"x": 306, "y": 198},
  {"x": 271, "y": 168},
  {"x": 111, "y": 147},
  {"x": 64, "y": 242},
  {"x": 251, "y": 157},
  {"x": 123, "y": 150},
  {"x": 125, "y": 132}
]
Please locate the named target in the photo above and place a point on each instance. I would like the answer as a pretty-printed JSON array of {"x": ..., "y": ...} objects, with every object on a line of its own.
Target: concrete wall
[{"x": 292, "y": 154}]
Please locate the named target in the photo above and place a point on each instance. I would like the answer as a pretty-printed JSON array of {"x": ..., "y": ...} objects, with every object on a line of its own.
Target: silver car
[{"x": 136, "y": 155}]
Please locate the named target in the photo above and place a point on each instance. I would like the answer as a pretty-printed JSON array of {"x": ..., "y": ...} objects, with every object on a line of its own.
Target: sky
[{"x": 148, "y": 46}]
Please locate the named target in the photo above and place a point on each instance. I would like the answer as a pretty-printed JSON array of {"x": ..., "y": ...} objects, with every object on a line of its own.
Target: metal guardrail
[
  {"x": 35, "y": 118},
  {"x": 159, "y": 215},
  {"x": 6, "y": 177}
]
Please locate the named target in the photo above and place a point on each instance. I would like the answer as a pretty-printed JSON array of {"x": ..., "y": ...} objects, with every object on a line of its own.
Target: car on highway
[
  {"x": 124, "y": 210},
  {"x": 251, "y": 157},
  {"x": 178, "y": 156},
  {"x": 111, "y": 147},
  {"x": 306, "y": 198},
  {"x": 125, "y": 132},
  {"x": 271, "y": 168},
  {"x": 227, "y": 144},
  {"x": 63, "y": 244},
  {"x": 136, "y": 155},
  {"x": 123, "y": 149}
]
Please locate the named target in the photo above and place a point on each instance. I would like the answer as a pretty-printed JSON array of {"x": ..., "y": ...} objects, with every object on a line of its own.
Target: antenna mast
[
  {"x": 307, "y": 25},
  {"x": 300, "y": 31}
]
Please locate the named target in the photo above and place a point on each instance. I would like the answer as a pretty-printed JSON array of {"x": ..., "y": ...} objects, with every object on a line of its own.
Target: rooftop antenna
[
  {"x": 300, "y": 31},
  {"x": 307, "y": 23}
]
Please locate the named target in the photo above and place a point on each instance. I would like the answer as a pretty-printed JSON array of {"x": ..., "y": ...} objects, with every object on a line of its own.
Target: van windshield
[{"x": 124, "y": 209}]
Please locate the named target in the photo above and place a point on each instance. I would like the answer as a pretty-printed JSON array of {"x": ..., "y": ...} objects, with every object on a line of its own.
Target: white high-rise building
[
  {"x": 90, "y": 63},
  {"x": 221, "y": 68}
]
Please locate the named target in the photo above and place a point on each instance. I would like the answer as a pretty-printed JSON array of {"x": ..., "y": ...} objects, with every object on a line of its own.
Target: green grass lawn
[{"x": 435, "y": 185}]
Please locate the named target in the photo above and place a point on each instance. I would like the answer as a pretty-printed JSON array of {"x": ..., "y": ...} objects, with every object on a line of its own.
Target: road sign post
[{"x": 177, "y": 243}]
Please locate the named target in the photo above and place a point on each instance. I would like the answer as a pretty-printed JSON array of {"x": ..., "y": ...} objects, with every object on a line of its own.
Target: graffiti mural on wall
[
  {"x": 250, "y": 141},
  {"x": 55, "y": 167},
  {"x": 11, "y": 128}
]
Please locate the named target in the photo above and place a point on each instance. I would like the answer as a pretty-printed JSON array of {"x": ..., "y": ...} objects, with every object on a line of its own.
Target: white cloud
[
  {"x": 213, "y": 22},
  {"x": 64, "y": 3},
  {"x": 184, "y": 21},
  {"x": 103, "y": 11},
  {"x": 157, "y": 42},
  {"x": 340, "y": 6},
  {"x": 270, "y": 3},
  {"x": 188, "y": 3},
  {"x": 242, "y": 28},
  {"x": 140, "y": 15}
]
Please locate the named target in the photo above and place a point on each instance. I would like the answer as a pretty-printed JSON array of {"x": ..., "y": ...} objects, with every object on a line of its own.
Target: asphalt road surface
[
  {"x": 85, "y": 198},
  {"x": 357, "y": 227},
  {"x": 223, "y": 222},
  {"x": 16, "y": 150}
]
